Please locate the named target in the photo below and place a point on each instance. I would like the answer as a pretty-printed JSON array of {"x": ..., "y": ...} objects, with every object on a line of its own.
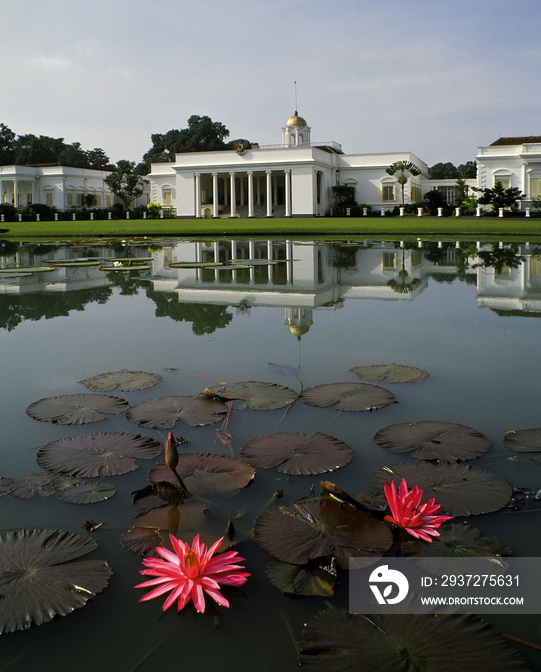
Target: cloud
[{"x": 50, "y": 63}]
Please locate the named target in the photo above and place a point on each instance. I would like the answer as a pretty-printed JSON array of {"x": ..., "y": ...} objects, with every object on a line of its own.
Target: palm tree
[{"x": 400, "y": 168}]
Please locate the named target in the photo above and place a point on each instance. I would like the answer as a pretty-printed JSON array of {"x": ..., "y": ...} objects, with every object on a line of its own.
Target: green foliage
[
  {"x": 469, "y": 206},
  {"x": 434, "y": 199},
  {"x": 461, "y": 191},
  {"x": 344, "y": 195},
  {"x": 9, "y": 211},
  {"x": 153, "y": 209},
  {"x": 125, "y": 182},
  {"x": 447, "y": 171},
  {"x": 7, "y": 138},
  {"x": 202, "y": 135},
  {"x": 536, "y": 202},
  {"x": 97, "y": 158},
  {"x": 400, "y": 169},
  {"x": 499, "y": 196},
  {"x": 89, "y": 200}
]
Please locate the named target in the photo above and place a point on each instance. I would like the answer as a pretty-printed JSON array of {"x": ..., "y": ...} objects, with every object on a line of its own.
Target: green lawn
[{"x": 313, "y": 226}]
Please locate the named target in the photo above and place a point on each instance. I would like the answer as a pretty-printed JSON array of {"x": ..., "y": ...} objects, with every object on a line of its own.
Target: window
[
  {"x": 80, "y": 199},
  {"x": 389, "y": 260},
  {"x": 108, "y": 199},
  {"x": 387, "y": 193},
  {"x": 69, "y": 199},
  {"x": 504, "y": 179},
  {"x": 49, "y": 198},
  {"x": 97, "y": 202},
  {"x": 28, "y": 199},
  {"x": 448, "y": 194},
  {"x": 167, "y": 197},
  {"x": 415, "y": 193},
  {"x": 535, "y": 186}
]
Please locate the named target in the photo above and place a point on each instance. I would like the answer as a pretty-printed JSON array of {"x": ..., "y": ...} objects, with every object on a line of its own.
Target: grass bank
[{"x": 485, "y": 227}]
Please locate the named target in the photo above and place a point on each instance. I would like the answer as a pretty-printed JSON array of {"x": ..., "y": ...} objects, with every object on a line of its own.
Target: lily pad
[
  {"x": 390, "y": 373},
  {"x": 255, "y": 395},
  {"x": 316, "y": 580},
  {"x": 87, "y": 493},
  {"x": 97, "y": 454},
  {"x": 525, "y": 441},
  {"x": 461, "y": 490},
  {"x": 166, "y": 412},
  {"x": 206, "y": 473},
  {"x": 39, "y": 580},
  {"x": 428, "y": 440},
  {"x": 412, "y": 643},
  {"x": 457, "y": 541},
  {"x": 151, "y": 528},
  {"x": 124, "y": 380},
  {"x": 348, "y": 396},
  {"x": 25, "y": 487},
  {"x": 297, "y": 453},
  {"x": 76, "y": 409},
  {"x": 6, "y": 486},
  {"x": 316, "y": 528}
]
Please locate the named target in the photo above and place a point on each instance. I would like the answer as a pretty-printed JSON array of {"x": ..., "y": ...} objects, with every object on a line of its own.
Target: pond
[{"x": 294, "y": 313}]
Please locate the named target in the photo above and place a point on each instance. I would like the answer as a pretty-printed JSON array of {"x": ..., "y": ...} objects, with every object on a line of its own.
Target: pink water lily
[
  {"x": 190, "y": 572},
  {"x": 419, "y": 520}
]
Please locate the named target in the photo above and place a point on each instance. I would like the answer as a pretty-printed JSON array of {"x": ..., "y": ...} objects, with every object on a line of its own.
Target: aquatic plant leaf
[
  {"x": 456, "y": 541},
  {"x": 166, "y": 412},
  {"x": 347, "y": 396},
  {"x": 461, "y": 490},
  {"x": 525, "y": 441},
  {"x": 408, "y": 643},
  {"x": 206, "y": 473},
  {"x": 76, "y": 409},
  {"x": 390, "y": 373},
  {"x": 315, "y": 528},
  {"x": 97, "y": 454},
  {"x": 302, "y": 580},
  {"x": 124, "y": 380},
  {"x": 297, "y": 453},
  {"x": 88, "y": 493},
  {"x": 151, "y": 528},
  {"x": 6, "y": 486},
  {"x": 25, "y": 487},
  {"x": 257, "y": 396},
  {"x": 39, "y": 580},
  {"x": 429, "y": 440},
  {"x": 61, "y": 483}
]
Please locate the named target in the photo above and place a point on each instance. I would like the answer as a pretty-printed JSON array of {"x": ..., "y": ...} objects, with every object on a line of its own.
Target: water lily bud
[{"x": 171, "y": 455}]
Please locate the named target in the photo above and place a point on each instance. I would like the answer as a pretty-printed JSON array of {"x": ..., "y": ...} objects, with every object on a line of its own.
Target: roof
[{"x": 523, "y": 140}]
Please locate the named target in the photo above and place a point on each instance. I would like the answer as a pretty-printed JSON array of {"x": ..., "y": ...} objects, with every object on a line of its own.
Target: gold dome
[{"x": 295, "y": 120}]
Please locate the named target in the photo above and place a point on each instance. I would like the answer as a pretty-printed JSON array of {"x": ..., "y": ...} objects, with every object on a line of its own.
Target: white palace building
[{"x": 291, "y": 179}]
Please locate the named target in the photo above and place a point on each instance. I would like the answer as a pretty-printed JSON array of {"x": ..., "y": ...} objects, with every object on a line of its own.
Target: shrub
[
  {"x": 153, "y": 209},
  {"x": 9, "y": 211}
]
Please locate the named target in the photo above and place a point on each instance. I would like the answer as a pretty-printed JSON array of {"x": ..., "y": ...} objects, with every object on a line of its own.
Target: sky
[{"x": 436, "y": 78}]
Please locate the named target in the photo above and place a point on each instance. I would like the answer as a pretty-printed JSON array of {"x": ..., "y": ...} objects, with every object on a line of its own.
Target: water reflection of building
[{"x": 300, "y": 277}]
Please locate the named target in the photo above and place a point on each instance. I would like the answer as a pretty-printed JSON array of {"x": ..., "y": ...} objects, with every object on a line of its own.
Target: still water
[{"x": 462, "y": 311}]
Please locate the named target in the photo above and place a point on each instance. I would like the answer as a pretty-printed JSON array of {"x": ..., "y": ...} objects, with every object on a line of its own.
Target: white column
[
  {"x": 33, "y": 192},
  {"x": 287, "y": 174},
  {"x": 233, "y": 196},
  {"x": 525, "y": 182},
  {"x": 269, "y": 193},
  {"x": 250, "y": 194},
  {"x": 197, "y": 195},
  {"x": 15, "y": 193},
  {"x": 275, "y": 191},
  {"x": 314, "y": 192},
  {"x": 215, "y": 194}
]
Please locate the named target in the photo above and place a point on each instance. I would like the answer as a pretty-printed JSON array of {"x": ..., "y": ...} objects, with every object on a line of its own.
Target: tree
[
  {"x": 468, "y": 170},
  {"x": 202, "y": 135},
  {"x": 126, "y": 183},
  {"x": 344, "y": 195},
  {"x": 30, "y": 149},
  {"x": 443, "y": 171},
  {"x": 72, "y": 155},
  {"x": 97, "y": 158},
  {"x": 461, "y": 191},
  {"x": 400, "y": 169},
  {"x": 7, "y": 139},
  {"x": 499, "y": 196}
]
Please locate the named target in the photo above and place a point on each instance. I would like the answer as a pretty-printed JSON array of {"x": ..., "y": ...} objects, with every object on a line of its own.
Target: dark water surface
[{"x": 464, "y": 313}]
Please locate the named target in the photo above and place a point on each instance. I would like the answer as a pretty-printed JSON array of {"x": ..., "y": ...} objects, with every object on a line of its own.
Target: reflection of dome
[
  {"x": 299, "y": 331},
  {"x": 295, "y": 120}
]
